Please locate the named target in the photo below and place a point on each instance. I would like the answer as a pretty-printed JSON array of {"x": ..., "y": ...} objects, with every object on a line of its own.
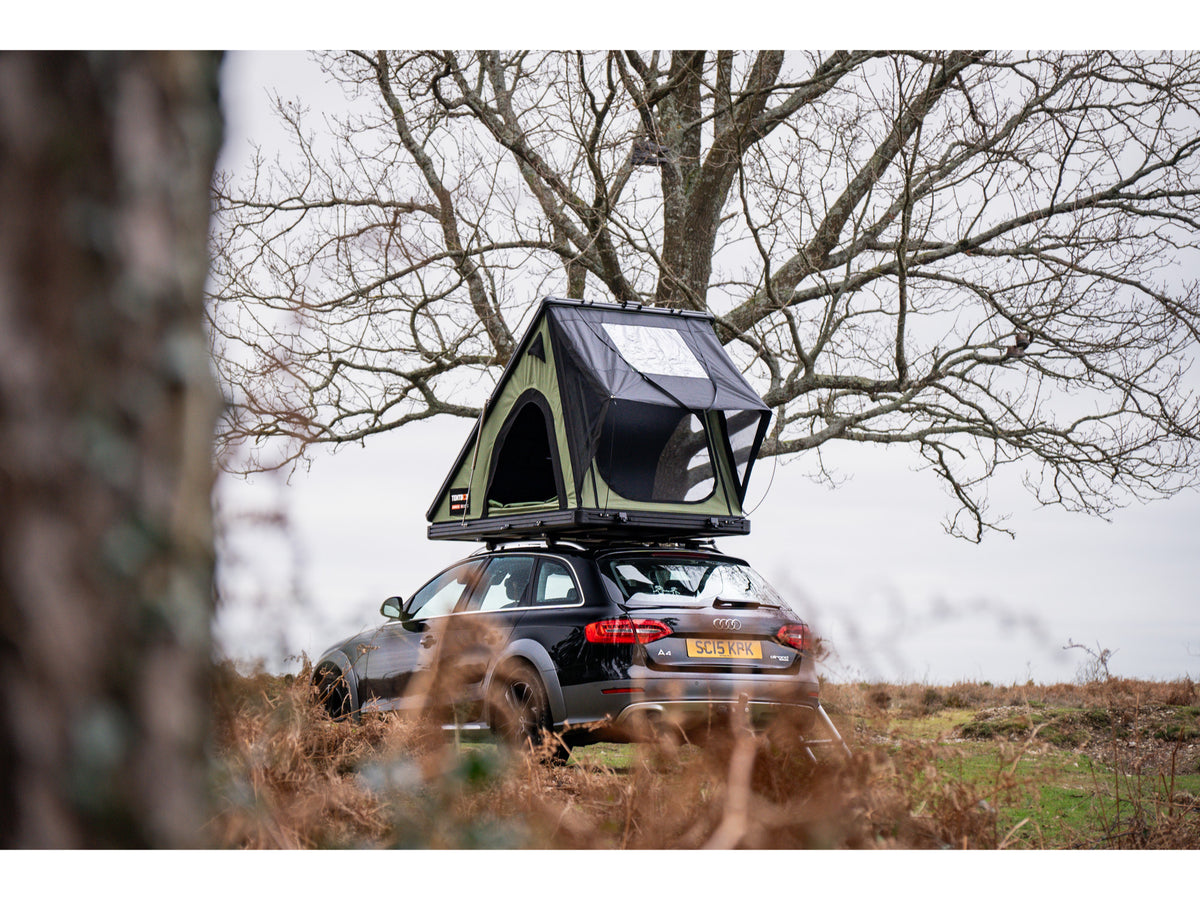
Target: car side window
[
  {"x": 555, "y": 586},
  {"x": 442, "y": 594},
  {"x": 504, "y": 584}
]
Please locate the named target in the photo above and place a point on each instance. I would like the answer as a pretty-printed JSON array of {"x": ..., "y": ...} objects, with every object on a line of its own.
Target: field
[{"x": 1110, "y": 764}]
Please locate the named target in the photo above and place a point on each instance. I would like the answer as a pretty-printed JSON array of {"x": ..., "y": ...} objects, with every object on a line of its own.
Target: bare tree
[
  {"x": 1095, "y": 668},
  {"x": 988, "y": 258},
  {"x": 107, "y": 408}
]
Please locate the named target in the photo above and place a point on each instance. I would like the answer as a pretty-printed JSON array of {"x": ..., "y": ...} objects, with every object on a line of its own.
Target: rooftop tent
[{"x": 609, "y": 421}]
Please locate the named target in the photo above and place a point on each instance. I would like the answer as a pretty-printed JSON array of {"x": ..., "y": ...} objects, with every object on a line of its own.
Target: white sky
[{"x": 867, "y": 562}]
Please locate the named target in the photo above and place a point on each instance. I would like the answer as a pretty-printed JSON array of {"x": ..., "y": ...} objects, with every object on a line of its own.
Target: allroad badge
[{"x": 727, "y": 624}]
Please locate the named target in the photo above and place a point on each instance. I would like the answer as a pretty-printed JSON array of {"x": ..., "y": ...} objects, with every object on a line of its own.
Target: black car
[{"x": 582, "y": 643}]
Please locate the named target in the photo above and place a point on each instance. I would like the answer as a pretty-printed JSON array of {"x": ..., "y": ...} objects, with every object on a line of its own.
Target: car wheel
[
  {"x": 333, "y": 693},
  {"x": 521, "y": 714}
]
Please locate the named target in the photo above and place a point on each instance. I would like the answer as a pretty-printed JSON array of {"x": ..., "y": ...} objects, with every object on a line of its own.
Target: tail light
[
  {"x": 797, "y": 636},
  {"x": 626, "y": 631}
]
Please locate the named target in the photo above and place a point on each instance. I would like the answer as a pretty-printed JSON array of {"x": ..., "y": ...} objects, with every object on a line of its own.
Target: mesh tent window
[{"x": 655, "y": 454}]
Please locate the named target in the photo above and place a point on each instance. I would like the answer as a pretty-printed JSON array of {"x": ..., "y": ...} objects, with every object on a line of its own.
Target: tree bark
[{"x": 106, "y": 414}]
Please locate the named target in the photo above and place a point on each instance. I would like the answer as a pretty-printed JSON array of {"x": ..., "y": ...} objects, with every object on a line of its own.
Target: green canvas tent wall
[{"x": 609, "y": 422}]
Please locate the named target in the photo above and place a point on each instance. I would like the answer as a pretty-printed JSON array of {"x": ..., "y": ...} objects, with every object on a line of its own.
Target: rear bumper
[
  {"x": 690, "y": 714},
  {"x": 619, "y": 710}
]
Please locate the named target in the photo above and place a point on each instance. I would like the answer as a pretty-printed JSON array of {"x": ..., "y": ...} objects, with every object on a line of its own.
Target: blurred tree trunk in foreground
[{"x": 106, "y": 415}]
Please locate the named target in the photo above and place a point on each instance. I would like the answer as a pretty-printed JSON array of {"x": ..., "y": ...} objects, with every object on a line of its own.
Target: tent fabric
[
  {"x": 602, "y": 340},
  {"x": 610, "y": 356},
  {"x": 608, "y": 419}
]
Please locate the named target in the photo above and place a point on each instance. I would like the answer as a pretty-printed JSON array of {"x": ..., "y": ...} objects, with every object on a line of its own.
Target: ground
[{"x": 1111, "y": 764}]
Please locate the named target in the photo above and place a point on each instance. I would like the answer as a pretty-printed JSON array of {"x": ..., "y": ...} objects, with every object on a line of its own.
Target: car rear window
[{"x": 655, "y": 581}]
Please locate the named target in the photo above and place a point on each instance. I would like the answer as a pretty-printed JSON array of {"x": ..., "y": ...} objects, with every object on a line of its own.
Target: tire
[
  {"x": 333, "y": 693},
  {"x": 520, "y": 714}
]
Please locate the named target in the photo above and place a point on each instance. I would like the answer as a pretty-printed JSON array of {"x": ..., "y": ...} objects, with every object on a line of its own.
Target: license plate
[{"x": 723, "y": 649}]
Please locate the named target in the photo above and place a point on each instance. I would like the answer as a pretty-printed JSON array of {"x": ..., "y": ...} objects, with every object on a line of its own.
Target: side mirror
[{"x": 393, "y": 607}]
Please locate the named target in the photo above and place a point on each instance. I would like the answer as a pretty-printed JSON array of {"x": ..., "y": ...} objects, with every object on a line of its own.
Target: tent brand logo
[
  {"x": 727, "y": 624},
  {"x": 459, "y": 497}
]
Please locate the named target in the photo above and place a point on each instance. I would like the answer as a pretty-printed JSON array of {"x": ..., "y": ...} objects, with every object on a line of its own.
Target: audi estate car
[{"x": 562, "y": 645}]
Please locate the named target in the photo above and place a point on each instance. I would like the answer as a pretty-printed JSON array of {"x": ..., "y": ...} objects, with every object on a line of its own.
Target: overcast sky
[{"x": 867, "y": 562}]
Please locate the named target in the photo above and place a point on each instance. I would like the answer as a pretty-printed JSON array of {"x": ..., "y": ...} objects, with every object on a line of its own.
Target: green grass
[
  {"x": 1185, "y": 727},
  {"x": 940, "y": 724},
  {"x": 611, "y": 756},
  {"x": 603, "y": 755},
  {"x": 1063, "y": 726},
  {"x": 1040, "y": 801},
  {"x": 1050, "y": 796}
]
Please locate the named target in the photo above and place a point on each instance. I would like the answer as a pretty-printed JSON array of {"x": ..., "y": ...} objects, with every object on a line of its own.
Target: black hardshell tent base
[{"x": 585, "y": 523}]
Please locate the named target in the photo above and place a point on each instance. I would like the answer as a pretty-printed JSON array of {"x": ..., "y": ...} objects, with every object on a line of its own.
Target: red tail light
[
  {"x": 797, "y": 636},
  {"x": 626, "y": 631}
]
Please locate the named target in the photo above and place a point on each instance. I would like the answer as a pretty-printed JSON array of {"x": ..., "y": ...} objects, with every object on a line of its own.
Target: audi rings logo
[{"x": 727, "y": 624}]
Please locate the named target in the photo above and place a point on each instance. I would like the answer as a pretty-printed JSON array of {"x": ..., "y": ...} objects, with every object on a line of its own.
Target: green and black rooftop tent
[{"x": 609, "y": 422}]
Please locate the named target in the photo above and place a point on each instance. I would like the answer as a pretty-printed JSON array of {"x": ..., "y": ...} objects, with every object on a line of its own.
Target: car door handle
[{"x": 428, "y": 640}]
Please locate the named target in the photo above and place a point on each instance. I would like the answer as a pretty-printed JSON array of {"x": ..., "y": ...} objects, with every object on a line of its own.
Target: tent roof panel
[{"x": 648, "y": 355}]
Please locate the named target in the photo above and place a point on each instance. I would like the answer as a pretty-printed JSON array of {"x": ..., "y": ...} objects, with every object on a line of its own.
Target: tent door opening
[{"x": 525, "y": 468}]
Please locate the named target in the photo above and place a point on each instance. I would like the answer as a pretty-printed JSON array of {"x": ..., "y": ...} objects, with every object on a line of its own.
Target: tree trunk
[
  {"x": 106, "y": 416},
  {"x": 684, "y": 237}
]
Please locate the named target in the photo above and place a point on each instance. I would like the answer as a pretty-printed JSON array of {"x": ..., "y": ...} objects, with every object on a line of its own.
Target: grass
[
  {"x": 1060, "y": 774},
  {"x": 1113, "y": 765},
  {"x": 1040, "y": 801}
]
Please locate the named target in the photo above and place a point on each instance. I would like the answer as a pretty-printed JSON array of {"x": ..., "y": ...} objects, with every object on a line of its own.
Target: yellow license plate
[{"x": 723, "y": 649}]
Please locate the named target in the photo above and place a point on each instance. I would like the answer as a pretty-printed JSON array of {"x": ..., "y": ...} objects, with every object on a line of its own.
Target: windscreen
[{"x": 659, "y": 581}]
